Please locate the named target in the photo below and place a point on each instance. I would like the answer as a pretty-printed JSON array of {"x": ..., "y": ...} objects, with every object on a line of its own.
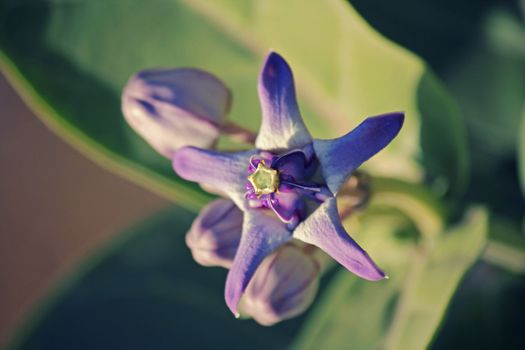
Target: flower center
[{"x": 264, "y": 180}]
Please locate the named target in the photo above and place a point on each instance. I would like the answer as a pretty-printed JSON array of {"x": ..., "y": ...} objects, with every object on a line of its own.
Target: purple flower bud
[
  {"x": 172, "y": 108},
  {"x": 215, "y": 234},
  {"x": 283, "y": 286}
]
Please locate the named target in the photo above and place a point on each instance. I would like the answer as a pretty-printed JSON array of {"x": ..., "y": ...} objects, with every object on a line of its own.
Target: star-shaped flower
[{"x": 287, "y": 186}]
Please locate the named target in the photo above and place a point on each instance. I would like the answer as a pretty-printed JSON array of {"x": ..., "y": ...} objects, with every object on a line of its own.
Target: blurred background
[
  {"x": 69, "y": 279},
  {"x": 48, "y": 223}
]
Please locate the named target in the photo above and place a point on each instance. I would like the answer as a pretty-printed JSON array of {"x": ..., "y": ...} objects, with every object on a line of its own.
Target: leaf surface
[{"x": 71, "y": 59}]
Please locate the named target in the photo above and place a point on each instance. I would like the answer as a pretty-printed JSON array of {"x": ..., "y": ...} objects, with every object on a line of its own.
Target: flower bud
[
  {"x": 283, "y": 286},
  {"x": 356, "y": 191},
  {"x": 215, "y": 234},
  {"x": 172, "y": 108}
]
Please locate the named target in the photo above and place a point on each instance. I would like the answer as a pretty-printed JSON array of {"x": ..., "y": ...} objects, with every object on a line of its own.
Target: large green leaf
[
  {"x": 70, "y": 60},
  {"x": 144, "y": 291},
  {"x": 404, "y": 311}
]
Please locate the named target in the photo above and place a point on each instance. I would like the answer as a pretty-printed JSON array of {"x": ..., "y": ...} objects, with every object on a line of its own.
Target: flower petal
[
  {"x": 282, "y": 126},
  {"x": 288, "y": 206},
  {"x": 340, "y": 157},
  {"x": 262, "y": 234},
  {"x": 225, "y": 172},
  {"x": 172, "y": 108},
  {"x": 297, "y": 164},
  {"x": 323, "y": 229}
]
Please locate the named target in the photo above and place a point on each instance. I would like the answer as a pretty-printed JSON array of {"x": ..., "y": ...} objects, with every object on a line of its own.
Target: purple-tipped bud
[
  {"x": 172, "y": 108},
  {"x": 215, "y": 234},
  {"x": 283, "y": 286}
]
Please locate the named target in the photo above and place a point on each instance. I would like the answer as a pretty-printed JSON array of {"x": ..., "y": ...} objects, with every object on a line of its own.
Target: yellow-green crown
[{"x": 264, "y": 180}]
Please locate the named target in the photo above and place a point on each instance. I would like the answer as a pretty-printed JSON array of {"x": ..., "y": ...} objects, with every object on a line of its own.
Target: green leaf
[
  {"x": 70, "y": 60},
  {"x": 404, "y": 311},
  {"x": 144, "y": 291},
  {"x": 442, "y": 117}
]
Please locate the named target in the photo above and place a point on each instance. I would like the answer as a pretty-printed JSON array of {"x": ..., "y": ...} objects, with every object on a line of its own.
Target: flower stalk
[{"x": 238, "y": 133}]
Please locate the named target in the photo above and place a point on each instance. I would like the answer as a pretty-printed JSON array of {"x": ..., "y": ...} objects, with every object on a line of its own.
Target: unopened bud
[
  {"x": 355, "y": 193},
  {"x": 283, "y": 286},
  {"x": 172, "y": 108},
  {"x": 215, "y": 234}
]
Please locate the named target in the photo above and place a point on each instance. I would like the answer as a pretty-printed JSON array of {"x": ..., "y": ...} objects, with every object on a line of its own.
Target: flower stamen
[{"x": 264, "y": 179}]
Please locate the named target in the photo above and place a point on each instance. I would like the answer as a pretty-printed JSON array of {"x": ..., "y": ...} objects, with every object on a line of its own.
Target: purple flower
[{"x": 286, "y": 186}]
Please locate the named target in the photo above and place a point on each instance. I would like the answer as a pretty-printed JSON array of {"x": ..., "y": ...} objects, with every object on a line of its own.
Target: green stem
[
  {"x": 238, "y": 134},
  {"x": 426, "y": 211},
  {"x": 418, "y": 203},
  {"x": 504, "y": 255}
]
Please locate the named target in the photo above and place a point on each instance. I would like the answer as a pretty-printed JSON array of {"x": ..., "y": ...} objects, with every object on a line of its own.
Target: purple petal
[
  {"x": 297, "y": 164},
  {"x": 282, "y": 126},
  {"x": 340, "y": 157},
  {"x": 225, "y": 172},
  {"x": 323, "y": 229},
  {"x": 172, "y": 108},
  {"x": 288, "y": 206},
  {"x": 261, "y": 235}
]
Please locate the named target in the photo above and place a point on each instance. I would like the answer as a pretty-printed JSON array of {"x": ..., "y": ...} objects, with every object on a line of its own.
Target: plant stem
[{"x": 238, "y": 133}]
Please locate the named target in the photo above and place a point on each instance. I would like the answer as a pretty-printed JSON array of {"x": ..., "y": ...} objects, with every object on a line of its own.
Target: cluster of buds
[
  {"x": 284, "y": 284},
  {"x": 282, "y": 209}
]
